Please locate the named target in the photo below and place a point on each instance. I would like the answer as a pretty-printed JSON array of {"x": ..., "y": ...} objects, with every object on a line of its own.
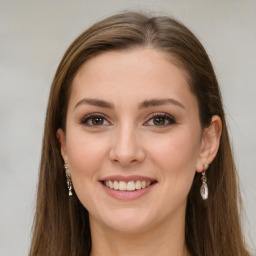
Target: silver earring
[
  {"x": 69, "y": 181},
  {"x": 204, "y": 187}
]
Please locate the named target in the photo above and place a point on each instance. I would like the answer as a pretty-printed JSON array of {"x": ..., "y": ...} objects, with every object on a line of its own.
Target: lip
[{"x": 127, "y": 195}]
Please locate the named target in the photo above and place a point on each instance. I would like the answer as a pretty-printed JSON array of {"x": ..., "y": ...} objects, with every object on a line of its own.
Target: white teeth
[
  {"x": 110, "y": 184},
  {"x": 122, "y": 185},
  {"x": 115, "y": 185},
  {"x": 138, "y": 184},
  {"x": 130, "y": 186},
  {"x": 127, "y": 186}
]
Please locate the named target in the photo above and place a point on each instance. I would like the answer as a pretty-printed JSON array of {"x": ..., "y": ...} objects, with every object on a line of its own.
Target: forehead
[{"x": 134, "y": 74}]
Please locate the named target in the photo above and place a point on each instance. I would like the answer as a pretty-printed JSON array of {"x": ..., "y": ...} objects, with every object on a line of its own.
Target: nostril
[{"x": 126, "y": 162}]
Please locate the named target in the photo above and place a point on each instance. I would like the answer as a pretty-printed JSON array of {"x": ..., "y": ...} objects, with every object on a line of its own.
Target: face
[{"x": 132, "y": 139}]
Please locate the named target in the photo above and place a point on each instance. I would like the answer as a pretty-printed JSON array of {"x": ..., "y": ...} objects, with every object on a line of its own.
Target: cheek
[
  {"x": 86, "y": 156},
  {"x": 176, "y": 156},
  {"x": 176, "y": 161},
  {"x": 85, "y": 153},
  {"x": 177, "y": 149}
]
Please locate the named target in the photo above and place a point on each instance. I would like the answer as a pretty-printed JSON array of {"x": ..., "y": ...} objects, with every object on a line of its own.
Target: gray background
[{"x": 33, "y": 38}]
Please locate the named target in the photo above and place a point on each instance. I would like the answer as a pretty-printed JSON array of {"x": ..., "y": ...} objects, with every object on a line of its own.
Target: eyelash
[
  {"x": 166, "y": 117},
  {"x": 86, "y": 119}
]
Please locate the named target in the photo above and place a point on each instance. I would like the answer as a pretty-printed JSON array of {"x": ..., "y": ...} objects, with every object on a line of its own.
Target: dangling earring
[
  {"x": 204, "y": 187},
  {"x": 69, "y": 181}
]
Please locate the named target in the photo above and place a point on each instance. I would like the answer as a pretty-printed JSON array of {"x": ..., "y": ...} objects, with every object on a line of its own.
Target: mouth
[
  {"x": 127, "y": 188},
  {"x": 132, "y": 185},
  {"x": 127, "y": 184}
]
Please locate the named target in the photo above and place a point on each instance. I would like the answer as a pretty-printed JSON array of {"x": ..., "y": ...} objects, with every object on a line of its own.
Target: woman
[{"x": 136, "y": 156}]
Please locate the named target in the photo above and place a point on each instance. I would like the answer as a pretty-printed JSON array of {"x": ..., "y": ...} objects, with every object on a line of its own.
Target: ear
[
  {"x": 62, "y": 140},
  {"x": 210, "y": 144}
]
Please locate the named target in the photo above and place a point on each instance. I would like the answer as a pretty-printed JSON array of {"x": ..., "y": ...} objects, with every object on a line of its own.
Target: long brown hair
[{"x": 61, "y": 224}]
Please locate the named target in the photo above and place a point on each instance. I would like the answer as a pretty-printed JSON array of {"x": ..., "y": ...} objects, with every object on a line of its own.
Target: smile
[{"x": 127, "y": 186}]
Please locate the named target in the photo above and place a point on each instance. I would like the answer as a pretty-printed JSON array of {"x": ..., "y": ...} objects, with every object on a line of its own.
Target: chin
[
  {"x": 132, "y": 227},
  {"x": 127, "y": 220}
]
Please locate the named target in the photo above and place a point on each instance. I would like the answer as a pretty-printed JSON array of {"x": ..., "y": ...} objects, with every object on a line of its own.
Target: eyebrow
[
  {"x": 95, "y": 102},
  {"x": 160, "y": 102},
  {"x": 144, "y": 104}
]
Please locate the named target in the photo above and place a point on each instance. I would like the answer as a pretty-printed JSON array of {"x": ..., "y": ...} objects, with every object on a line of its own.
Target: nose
[{"x": 126, "y": 148}]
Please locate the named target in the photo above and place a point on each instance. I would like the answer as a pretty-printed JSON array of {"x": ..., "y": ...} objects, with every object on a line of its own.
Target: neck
[{"x": 160, "y": 241}]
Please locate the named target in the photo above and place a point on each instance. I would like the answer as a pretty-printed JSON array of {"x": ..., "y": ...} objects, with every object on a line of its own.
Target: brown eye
[
  {"x": 161, "y": 120},
  {"x": 94, "y": 120},
  {"x": 97, "y": 120}
]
